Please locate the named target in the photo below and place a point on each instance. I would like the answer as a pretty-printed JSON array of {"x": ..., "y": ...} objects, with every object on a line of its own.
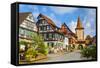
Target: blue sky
[{"x": 68, "y": 15}]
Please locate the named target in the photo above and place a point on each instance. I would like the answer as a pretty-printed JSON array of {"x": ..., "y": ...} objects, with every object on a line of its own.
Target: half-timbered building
[
  {"x": 27, "y": 27},
  {"x": 70, "y": 37},
  {"x": 50, "y": 32}
]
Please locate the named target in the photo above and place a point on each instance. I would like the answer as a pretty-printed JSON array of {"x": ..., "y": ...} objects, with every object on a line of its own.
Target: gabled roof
[
  {"x": 47, "y": 19},
  {"x": 79, "y": 24},
  {"x": 23, "y": 16},
  {"x": 63, "y": 29},
  {"x": 59, "y": 30},
  {"x": 67, "y": 31},
  {"x": 51, "y": 23}
]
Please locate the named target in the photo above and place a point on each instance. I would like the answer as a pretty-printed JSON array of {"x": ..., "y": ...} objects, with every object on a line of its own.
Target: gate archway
[{"x": 80, "y": 46}]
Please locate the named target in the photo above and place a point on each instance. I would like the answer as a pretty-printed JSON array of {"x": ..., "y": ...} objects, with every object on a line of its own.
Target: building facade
[
  {"x": 70, "y": 37},
  {"x": 50, "y": 32},
  {"x": 54, "y": 36},
  {"x": 27, "y": 27}
]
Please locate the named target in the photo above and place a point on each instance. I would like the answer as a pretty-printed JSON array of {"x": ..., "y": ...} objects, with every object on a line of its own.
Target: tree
[
  {"x": 39, "y": 45},
  {"x": 89, "y": 52},
  {"x": 88, "y": 40}
]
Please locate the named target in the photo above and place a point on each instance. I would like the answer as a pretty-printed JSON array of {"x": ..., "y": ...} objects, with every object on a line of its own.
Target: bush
[
  {"x": 30, "y": 53},
  {"x": 43, "y": 49},
  {"x": 38, "y": 46},
  {"x": 89, "y": 52}
]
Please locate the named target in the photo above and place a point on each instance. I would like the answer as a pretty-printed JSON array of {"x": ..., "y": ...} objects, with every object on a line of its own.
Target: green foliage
[
  {"x": 30, "y": 54},
  {"x": 89, "y": 52},
  {"x": 22, "y": 42},
  {"x": 88, "y": 40},
  {"x": 31, "y": 51},
  {"x": 43, "y": 49},
  {"x": 39, "y": 44},
  {"x": 37, "y": 47}
]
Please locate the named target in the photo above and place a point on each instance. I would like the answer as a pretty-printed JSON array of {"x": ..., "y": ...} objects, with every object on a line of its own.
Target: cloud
[
  {"x": 72, "y": 25},
  {"x": 63, "y": 10},
  {"x": 52, "y": 16},
  {"x": 44, "y": 9},
  {"x": 89, "y": 22},
  {"x": 89, "y": 26}
]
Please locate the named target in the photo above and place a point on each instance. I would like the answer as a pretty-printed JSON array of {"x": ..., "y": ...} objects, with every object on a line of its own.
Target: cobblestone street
[{"x": 72, "y": 56}]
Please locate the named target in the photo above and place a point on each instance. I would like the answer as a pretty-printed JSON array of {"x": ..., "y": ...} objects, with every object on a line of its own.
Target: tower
[{"x": 79, "y": 30}]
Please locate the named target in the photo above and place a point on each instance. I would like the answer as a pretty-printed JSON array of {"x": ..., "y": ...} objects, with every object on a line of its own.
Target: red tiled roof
[{"x": 65, "y": 29}]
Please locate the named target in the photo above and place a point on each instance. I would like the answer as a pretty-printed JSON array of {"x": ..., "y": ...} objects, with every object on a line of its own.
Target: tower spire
[{"x": 79, "y": 24}]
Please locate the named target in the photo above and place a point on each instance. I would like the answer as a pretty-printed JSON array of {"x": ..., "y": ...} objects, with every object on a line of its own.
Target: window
[
  {"x": 41, "y": 28},
  {"x": 50, "y": 35},
  {"x": 44, "y": 36},
  {"x": 28, "y": 24},
  {"x": 47, "y": 36},
  {"x": 53, "y": 35},
  {"x": 44, "y": 28},
  {"x": 60, "y": 36},
  {"x": 52, "y": 44},
  {"x": 26, "y": 33},
  {"x": 43, "y": 21},
  {"x": 48, "y": 27},
  {"x": 56, "y": 35},
  {"x": 21, "y": 31}
]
